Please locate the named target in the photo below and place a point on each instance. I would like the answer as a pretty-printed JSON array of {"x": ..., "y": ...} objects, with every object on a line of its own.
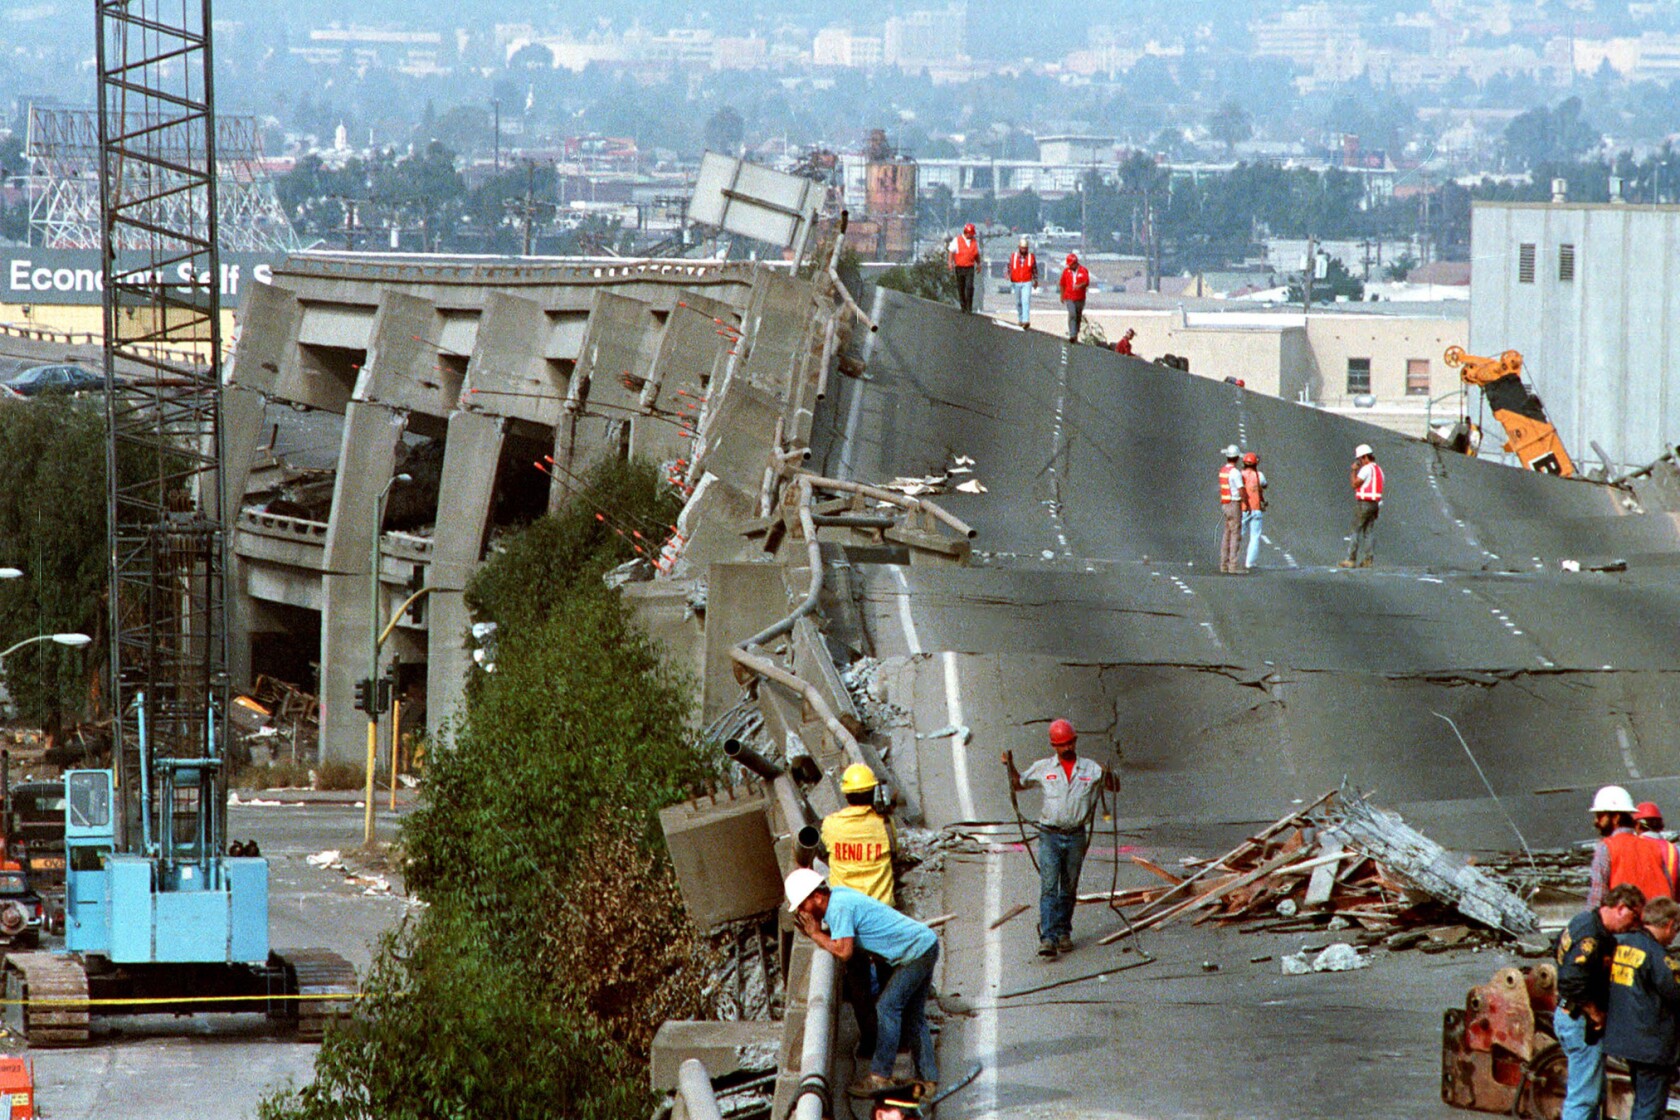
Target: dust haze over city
[{"x": 914, "y": 558}]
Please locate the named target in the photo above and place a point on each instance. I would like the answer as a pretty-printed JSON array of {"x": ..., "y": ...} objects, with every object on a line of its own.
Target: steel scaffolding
[
  {"x": 63, "y": 150},
  {"x": 159, "y": 211}
]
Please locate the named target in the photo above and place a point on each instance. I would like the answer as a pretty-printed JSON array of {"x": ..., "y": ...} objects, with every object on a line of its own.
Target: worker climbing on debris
[
  {"x": 1253, "y": 506},
  {"x": 858, "y": 844},
  {"x": 1124, "y": 346},
  {"x": 965, "y": 258},
  {"x": 1644, "y": 1011},
  {"x": 1622, "y": 855},
  {"x": 1023, "y": 277},
  {"x": 1583, "y": 952},
  {"x": 1071, "y": 786},
  {"x": 1075, "y": 283},
  {"x": 1367, "y": 481},
  {"x": 1231, "y": 506},
  {"x": 857, "y": 923}
]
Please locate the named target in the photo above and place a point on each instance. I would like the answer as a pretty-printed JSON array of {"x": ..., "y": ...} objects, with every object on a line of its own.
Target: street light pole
[
  {"x": 373, "y": 653},
  {"x": 74, "y": 641}
]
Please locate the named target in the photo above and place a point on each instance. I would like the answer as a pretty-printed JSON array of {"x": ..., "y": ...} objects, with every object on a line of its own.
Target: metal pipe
[
  {"x": 855, "y": 520},
  {"x": 814, "y": 1052},
  {"x": 813, "y": 555},
  {"x": 897, "y": 499},
  {"x": 737, "y": 751},
  {"x": 834, "y": 275},
  {"x": 830, "y": 336},
  {"x": 856, "y": 751},
  {"x": 694, "y": 1085},
  {"x": 806, "y": 844}
]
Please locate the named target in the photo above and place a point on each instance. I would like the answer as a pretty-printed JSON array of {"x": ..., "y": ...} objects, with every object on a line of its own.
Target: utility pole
[
  {"x": 528, "y": 210},
  {"x": 1307, "y": 274}
]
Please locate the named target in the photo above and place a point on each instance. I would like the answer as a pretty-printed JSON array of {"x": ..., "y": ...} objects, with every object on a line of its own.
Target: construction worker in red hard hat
[
  {"x": 1253, "y": 505},
  {"x": 1071, "y": 786},
  {"x": 1648, "y": 822},
  {"x": 965, "y": 259},
  {"x": 1075, "y": 282},
  {"x": 1622, "y": 855}
]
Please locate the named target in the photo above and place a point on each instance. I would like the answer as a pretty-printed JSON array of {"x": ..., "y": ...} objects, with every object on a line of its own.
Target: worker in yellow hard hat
[{"x": 859, "y": 843}]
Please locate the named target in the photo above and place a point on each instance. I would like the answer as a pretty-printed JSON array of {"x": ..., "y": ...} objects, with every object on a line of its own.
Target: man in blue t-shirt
[{"x": 858, "y": 923}]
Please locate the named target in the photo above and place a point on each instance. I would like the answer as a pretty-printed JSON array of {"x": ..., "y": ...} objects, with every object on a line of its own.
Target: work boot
[
  {"x": 1064, "y": 943},
  {"x": 1368, "y": 561},
  {"x": 1047, "y": 948},
  {"x": 1346, "y": 564},
  {"x": 867, "y": 1085}
]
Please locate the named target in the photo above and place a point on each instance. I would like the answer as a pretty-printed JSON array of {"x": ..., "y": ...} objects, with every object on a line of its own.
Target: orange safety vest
[
  {"x": 965, "y": 252},
  {"x": 1230, "y": 484},
  {"x": 1253, "y": 484},
  {"x": 1634, "y": 859},
  {"x": 1022, "y": 267},
  {"x": 1371, "y": 489}
]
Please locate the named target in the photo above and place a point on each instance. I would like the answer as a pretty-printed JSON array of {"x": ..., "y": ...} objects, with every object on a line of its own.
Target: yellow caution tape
[{"x": 75, "y": 1001}]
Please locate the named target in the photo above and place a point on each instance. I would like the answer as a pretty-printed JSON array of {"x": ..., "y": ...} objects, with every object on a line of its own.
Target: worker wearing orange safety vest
[
  {"x": 1075, "y": 282},
  {"x": 1623, "y": 855},
  {"x": 1230, "y": 505},
  {"x": 1648, "y": 822},
  {"x": 1023, "y": 277},
  {"x": 1253, "y": 506},
  {"x": 965, "y": 257},
  {"x": 859, "y": 843},
  {"x": 1366, "y": 478}
]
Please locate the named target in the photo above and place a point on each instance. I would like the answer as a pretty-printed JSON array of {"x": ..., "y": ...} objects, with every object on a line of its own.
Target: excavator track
[
  {"x": 313, "y": 974},
  {"x": 42, "y": 994}
]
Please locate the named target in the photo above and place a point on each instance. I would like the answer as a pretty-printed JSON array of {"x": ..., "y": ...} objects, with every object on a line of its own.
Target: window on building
[
  {"x": 1359, "y": 375},
  {"x": 1566, "y": 263},
  {"x": 1417, "y": 377},
  {"x": 1525, "y": 263}
]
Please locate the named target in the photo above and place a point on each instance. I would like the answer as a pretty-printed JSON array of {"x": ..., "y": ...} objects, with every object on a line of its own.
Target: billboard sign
[
  {"x": 744, "y": 198},
  {"x": 74, "y": 276}
]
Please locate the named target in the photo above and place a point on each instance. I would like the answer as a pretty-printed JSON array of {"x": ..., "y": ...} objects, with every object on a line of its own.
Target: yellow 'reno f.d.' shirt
[{"x": 860, "y": 851}]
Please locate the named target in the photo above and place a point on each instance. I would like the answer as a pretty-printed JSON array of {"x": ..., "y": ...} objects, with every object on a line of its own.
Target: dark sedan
[{"x": 53, "y": 379}]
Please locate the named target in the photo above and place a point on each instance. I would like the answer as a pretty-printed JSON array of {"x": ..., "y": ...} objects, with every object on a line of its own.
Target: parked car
[
  {"x": 38, "y": 830},
  {"x": 54, "y": 379}
]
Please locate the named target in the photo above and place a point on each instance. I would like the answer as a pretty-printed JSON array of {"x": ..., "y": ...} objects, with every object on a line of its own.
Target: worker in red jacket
[
  {"x": 1124, "y": 346},
  {"x": 965, "y": 258},
  {"x": 1075, "y": 281},
  {"x": 1023, "y": 277}
]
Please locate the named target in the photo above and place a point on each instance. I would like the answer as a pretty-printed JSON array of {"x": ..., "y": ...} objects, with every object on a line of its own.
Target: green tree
[
  {"x": 724, "y": 131},
  {"x": 1336, "y": 283},
  {"x": 928, "y": 277},
  {"x": 1541, "y": 135},
  {"x": 1230, "y": 125}
]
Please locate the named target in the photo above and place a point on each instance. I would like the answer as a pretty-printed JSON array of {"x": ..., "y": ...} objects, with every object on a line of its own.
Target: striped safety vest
[
  {"x": 1230, "y": 483},
  {"x": 1370, "y": 487}
]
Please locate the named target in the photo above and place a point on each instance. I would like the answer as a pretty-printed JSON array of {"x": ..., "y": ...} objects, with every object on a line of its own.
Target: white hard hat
[
  {"x": 1231, "y": 451},
  {"x": 1612, "y": 799},
  {"x": 1362, "y": 450},
  {"x": 802, "y": 881}
]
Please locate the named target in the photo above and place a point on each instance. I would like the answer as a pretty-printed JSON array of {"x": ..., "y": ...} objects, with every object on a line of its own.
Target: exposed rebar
[{"x": 903, "y": 500}]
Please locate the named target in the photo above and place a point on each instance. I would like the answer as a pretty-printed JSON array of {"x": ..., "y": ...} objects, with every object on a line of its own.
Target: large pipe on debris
[
  {"x": 813, "y": 555},
  {"x": 897, "y": 499},
  {"x": 737, "y": 751},
  {"x": 830, "y": 337},
  {"x": 694, "y": 1085},
  {"x": 855, "y": 520},
  {"x": 807, "y": 844},
  {"x": 856, "y": 750},
  {"x": 814, "y": 1052},
  {"x": 834, "y": 275}
]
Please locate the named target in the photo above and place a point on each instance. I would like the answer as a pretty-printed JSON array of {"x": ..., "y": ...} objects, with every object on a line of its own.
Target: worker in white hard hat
[
  {"x": 856, "y": 923},
  {"x": 1366, "y": 478},
  {"x": 1622, "y": 855},
  {"x": 858, "y": 843},
  {"x": 1230, "y": 505}
]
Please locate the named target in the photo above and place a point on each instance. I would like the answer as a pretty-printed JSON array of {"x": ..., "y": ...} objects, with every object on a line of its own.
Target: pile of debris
[{"x": 1338, "y": 863}]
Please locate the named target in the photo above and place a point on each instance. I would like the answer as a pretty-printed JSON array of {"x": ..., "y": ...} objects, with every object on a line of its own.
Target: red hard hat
[
  {"x": 1073, "y": 259},
  {"x": 969, "y": 229},
  {"x": 1251, "y": 459},
  {"x": 1647, "y": 811},
  {"x": 1061, "y": 733}
]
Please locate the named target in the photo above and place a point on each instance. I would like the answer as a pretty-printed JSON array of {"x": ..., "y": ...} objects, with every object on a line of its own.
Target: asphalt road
[
  {"x": 1224, "y": 700},
  {"x": 164, "y": 1067}
]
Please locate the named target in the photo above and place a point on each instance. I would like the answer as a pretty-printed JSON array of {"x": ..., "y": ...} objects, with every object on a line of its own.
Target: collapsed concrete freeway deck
[{"x": 1094, "y": 595}]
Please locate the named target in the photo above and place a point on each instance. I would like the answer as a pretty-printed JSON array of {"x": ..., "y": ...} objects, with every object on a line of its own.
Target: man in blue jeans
[
  {"x": 1071, "y": 786},
  {"x": 859, "y": 924},
  {"x": 1584, "y": 952}
]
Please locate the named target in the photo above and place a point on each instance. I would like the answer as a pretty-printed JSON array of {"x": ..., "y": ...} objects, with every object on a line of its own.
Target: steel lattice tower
[{"x": 168, "y": 551}]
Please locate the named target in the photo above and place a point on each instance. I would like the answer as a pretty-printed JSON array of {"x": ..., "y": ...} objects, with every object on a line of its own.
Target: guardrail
[
  {"x": 280, "y": 525},
  {"x": 434, "y": 269}
]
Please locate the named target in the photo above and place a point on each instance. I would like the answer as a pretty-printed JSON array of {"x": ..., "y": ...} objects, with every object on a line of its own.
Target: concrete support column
[
  {"x": 366, "y": 461},
  {"x": 471, "y": 453}
]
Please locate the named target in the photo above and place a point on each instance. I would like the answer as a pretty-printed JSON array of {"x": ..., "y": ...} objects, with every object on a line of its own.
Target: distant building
[{"x": 1590, "y": 293}]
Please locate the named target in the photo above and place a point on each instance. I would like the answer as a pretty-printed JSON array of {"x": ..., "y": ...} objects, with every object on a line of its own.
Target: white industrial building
[{"x": 1588, "y": 293}]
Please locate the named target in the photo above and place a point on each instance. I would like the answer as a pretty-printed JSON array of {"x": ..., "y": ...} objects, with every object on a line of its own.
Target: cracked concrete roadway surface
[
  {"x": 150, "y": 1067},
  {"x": 1225, "y": 700}
]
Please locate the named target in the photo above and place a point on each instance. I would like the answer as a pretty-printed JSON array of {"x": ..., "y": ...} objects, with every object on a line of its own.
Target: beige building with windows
[{"x": 1383, "y": 366}]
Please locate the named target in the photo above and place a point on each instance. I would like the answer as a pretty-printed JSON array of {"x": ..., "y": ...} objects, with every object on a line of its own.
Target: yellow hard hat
[{"x": 857, "y": 778}]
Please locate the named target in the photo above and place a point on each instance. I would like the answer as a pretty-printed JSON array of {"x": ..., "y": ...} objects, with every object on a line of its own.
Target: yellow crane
[{"x": 1529, "y": 434}]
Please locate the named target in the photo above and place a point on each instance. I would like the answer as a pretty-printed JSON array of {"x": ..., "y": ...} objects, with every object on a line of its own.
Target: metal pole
[
  {"x": 396, "y": 743},
  {"x": 373, "y": 659},
  {"x": 813, "y": 1100},
  {"x": 694, "y": 1085}
]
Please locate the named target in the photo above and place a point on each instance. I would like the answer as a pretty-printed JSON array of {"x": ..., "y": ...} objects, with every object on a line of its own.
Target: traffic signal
[
  {"x": 416, "y": 580},
  {"x": 364, "y": 696}
]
